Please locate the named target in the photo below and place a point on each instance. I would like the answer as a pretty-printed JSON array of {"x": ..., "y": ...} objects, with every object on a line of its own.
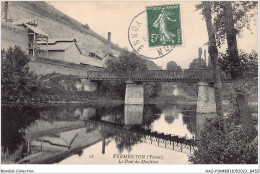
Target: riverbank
[{"x": 53, "y": 103}]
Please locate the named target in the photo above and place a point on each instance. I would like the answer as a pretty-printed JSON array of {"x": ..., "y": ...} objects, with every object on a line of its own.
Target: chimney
[
  {"x": 5, "y": 10},
  {"x": 109, "y": 37}
]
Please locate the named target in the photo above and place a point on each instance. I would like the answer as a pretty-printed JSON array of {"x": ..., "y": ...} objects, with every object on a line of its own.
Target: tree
[
  {"x": 231, "y": 145},
  {"x": 198, "y": 64},
  {"x": 86, "y": 26},
  {"x": 231, "y": 33},
  {"x": 18, "y": 83},
  {"x": 172, "y": 65},
  {"x": 129, "y": 61},
  {"x": 229, "y": 21},
  {"x": 242, "y": 12},
  {"x": 199, "y": 52},
  {"x": 213, "y": 52},
  {"x": 248, "y": 66}
]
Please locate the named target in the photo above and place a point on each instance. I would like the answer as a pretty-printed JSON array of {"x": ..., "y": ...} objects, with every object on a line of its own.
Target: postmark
[{"x": 150, "y": 36}]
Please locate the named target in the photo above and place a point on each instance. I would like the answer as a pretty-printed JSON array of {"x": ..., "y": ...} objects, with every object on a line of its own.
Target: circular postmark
[{"x": 138, "y": 39}]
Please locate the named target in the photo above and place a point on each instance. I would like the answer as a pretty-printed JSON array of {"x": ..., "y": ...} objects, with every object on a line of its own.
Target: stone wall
[
  {"x": 12, "y": 35},
  {"x": 43, "y": 66},
  {"x": 56, "y": 55}
]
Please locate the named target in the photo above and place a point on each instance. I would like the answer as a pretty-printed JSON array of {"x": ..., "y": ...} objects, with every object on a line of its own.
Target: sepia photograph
[{"x": 124, "y": 83}]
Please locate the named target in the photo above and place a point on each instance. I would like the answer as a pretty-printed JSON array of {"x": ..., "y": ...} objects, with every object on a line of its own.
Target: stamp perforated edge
[{"x": 181, "y": 23}]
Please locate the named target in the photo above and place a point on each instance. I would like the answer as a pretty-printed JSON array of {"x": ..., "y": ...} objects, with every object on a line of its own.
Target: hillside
[
  {"x": 45, "y": 10},
  {"x": 58, "y": 25}
]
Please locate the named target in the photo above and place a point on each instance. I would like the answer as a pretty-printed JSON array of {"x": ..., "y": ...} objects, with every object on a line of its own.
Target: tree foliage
[
  {"x": 215, "y": 147},
  {"x": 198, "y": 64},
  {"x": 172, "y": 65},
  {"x": 232, "y": 146},
  {"x": 247, "y": 68},
  {"x": 18, "y": 83},
  {"x": 243, "y": 12},
  {"x": 129, "y": 61}
]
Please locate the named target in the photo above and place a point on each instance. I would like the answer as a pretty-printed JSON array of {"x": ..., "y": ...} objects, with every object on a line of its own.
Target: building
[
  {"x": 67, "y": 50},
  {"x": 35, "y": 42},
  {"x": 61, "y": 49}
]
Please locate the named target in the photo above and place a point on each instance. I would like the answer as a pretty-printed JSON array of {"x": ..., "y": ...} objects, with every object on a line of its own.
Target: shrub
[
  {"x": 216, "y": 147},
  {"x": 18, "y": 83}
]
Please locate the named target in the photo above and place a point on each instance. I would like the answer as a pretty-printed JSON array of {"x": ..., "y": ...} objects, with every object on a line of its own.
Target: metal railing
[{"x": 186, "y": 75}]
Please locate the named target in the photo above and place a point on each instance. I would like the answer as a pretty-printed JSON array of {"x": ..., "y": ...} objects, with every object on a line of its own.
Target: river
[{"x": 87, "y": 134}]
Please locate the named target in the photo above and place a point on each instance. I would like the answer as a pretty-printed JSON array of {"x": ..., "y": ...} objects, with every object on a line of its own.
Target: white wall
[{"x": 72, "y": 54}]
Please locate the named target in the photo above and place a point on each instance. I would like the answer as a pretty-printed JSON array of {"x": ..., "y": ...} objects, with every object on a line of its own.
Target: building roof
[
  {"x": 84, "y": 59},
  {"x": 61, "y": 46},
  {"x": 36, "y": 30},
  {"x": 31, "y": 24},
  {"x": 57, "y": 44},
  {"x": 95, "y": 56},
  {"x": 24, "y": 21},
  {"x": 56, "y": 40}
]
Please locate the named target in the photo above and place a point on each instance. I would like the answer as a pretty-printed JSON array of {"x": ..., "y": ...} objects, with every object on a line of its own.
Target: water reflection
[
  {"x": 170, "y": 114},
  {"x": 52, "y": 133},
  {"x": 87, "y": 113},
  {"x": 134, "y": 114},
  {"x": 14, "y": 122}
]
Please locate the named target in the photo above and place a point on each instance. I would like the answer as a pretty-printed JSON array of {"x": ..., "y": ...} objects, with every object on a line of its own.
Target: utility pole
[{"x": 213, "y": 53}]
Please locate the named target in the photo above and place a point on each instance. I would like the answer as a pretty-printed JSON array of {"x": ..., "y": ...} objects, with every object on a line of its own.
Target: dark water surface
[{"x": 84, "y": 134}]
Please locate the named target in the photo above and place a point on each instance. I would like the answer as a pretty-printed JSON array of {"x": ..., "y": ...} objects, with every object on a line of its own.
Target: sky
[{"x": 115, "y": 17}]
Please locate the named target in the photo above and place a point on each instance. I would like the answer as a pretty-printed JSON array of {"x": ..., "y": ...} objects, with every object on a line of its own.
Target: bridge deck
[{"x": 156, "y": 76}]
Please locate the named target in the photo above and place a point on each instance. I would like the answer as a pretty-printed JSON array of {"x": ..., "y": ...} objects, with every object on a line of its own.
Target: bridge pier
[
  {"x": 88, "y": 85},
  {"x": 134, "y": 93},
  {"x": 206, "y": 106},
  {"x": 206, "y": 98}
]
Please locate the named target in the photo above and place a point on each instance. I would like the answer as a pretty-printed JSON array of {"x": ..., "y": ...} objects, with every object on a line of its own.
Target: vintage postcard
[{"x": 126, "y": 83}]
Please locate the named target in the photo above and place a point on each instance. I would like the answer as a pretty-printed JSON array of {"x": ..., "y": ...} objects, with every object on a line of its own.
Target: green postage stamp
[{"x": 164, "y": 25}]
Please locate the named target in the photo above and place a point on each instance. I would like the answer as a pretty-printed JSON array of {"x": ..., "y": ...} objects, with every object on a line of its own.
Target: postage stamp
[
  {"x": 139, "y": 41},
  {"x": 164, "y": 25}
]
